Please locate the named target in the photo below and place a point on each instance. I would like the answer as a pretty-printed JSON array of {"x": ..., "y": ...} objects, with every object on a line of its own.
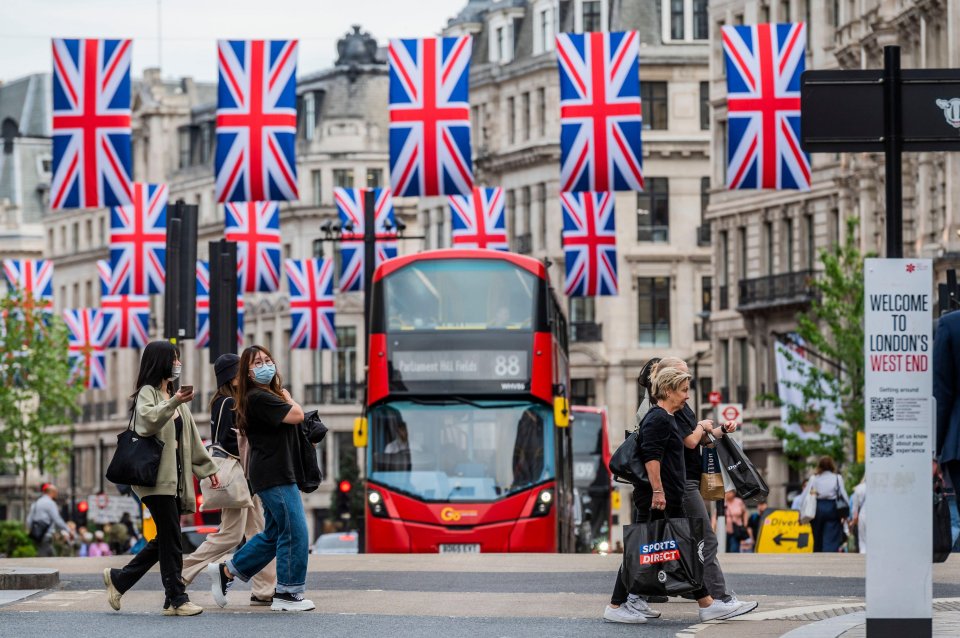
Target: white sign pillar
[{"x": 899, "y": 407}]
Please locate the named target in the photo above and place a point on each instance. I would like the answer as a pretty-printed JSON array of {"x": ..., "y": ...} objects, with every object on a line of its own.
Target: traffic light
[
  {"x": 343, "y": 499},
  {"x": 81, "y": 515},
  {"x": 180, "y": 290}
]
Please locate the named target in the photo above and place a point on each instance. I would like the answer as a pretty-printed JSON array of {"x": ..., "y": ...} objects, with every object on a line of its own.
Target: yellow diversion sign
[{"x": 781, "y": 532}]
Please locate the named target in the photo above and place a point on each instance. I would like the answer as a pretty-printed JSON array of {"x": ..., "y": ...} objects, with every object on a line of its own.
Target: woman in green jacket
[{"x": 158, "y": 411}]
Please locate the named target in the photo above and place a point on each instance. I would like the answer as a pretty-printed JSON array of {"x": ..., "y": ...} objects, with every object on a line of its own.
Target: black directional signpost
[{"x": 892, "y": 111}]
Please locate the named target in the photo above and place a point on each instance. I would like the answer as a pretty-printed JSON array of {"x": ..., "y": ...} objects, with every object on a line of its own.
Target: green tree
[
  {"x": 38, "y": 391},
  {"x": 833, "y": 328}
]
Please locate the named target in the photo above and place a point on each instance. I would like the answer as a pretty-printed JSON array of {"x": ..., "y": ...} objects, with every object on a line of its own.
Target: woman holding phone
[{"x": 159, "y": 411}]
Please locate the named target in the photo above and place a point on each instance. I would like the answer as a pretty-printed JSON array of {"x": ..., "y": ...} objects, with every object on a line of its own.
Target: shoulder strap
[
  {"x": 133, "y": 411},
  {"x": 216, "y": 433}
]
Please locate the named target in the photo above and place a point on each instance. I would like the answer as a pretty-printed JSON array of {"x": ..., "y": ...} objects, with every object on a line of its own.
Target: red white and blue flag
[
  {"x": 311, "y": 304},
  {"x": 256, "y": 121},
  {"x": 430, "y": 117},
  {"x": 764, "y": 63},
  {"x": 138, "y": 242},
  {"x": 92, "y": 165},
  {"x": 203, "y": 308},
  {"x": 126, "y": 318},
  {"x": 479, "y": 220},
  {"x": 589, "y": 244},
  {"x": 84, "y": 327},
  {"x": 350, "y": 207},
  {"x": 33, "y": 276},
  {"x": 255, "y": 226},
  {"x": 600, "y": 112}
]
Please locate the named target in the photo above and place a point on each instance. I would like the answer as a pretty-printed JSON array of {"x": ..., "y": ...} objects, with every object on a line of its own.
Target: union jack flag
[
  {"x": 203, "y": 308},
  {"x": 92, "y": 164},
  {"x": 600, "y": 113},
  {"x": 311, "y": 304},
  {"x": 589, "y": 244},
  {"x": 256, "y": 120},
  {"x": 764, "y": 64},
  {"x": 350, "y": 206},
  {"x": 126, "y": 318},
  {"x": 430, "y": 116},
  {"x": 255, "y": 226},
  {"x": 138, "y": 242},
  {"x": 106, "y": 278},
  {"x": 33, "y": 276},
  {"x": 84, "y": 327},
  {"x": 479, "y": 220}
]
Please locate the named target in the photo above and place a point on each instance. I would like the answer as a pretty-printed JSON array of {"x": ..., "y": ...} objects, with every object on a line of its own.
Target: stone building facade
[
  {"x": 341, "y": 141},
  {"x": 767, "y": 243},
  {"x": 662, "y": 243}
]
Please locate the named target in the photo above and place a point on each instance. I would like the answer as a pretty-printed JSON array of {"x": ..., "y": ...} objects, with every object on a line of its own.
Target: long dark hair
[
  {"x": 227, "y": 391},
  {"x": 245, "y": 384},
  {"x": 156, "y": 364}
]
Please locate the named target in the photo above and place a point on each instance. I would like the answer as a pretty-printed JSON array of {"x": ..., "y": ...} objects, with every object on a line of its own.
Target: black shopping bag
[
  {"x": 663, "y": 558},
  {"x": 749, "y": 483},
  {"x": 942, "y": 531},
  {"x": 625, "y": 463}
]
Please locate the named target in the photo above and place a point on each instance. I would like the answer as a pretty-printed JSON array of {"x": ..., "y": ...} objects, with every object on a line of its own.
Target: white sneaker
[
  {"x": 623, "y": 614},
  {"x": 291, "y": 602},
  {"x": 639, "y": 606},
  {"x": 220, "y": 584},
  {"x": 746, "y": 606},
  {"x": 720, "y": 610}
]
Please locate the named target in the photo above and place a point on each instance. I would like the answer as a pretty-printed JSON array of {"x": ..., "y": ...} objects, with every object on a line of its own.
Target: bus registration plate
[{"x": 460, "y": 548}]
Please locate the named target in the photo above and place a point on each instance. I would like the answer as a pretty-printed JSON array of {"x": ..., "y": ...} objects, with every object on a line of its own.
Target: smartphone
[{"x": 186, "y": 388}]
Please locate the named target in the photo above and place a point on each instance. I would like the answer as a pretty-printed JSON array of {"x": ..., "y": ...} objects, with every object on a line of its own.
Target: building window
[
  {"x": 700, "y": 29},
  {"x": 542, "y": 198},
  {"x": 374, "y": 177},
  {"x": 723, "y": 272},
  {"x": 592, "y": 19},
  {"x": 546, "y": 29},
  {"x": 583, "y": 392},
  {"x": 582, "y": 310},
  {"x": 75, "y": 237},
  {"x": 542, "y": 111},
  {"x": 704, "y": 196},
  {"x": 768, "y": 236},
  {"x": 704, "y": 106},
  {"x": 653, "y": 95},
  {"x": 525, "y": 114},
  {"x": 788, "y": 226},
  {"x": 653, "y": 211},
  {"x": 309, "y": 116},
  {"x": 345, "y": 452},
  {"x": 316, "y": 184},
  {"x": 183, "y": 134},
  {"x": 654, "y": 294},
  {"x": 345, "y": 364},
  {"x": 206, "y": 141},
  {"x": 676, "y": 19},
  {"x": 706, "y": 294},
  {"x": 742, "y": 249},
  {"x": 743, "y": 387},
  {"x": 811, "y": 243},
  {"x": 511, "y": 120},
  {"x": 343, "y": 178}
]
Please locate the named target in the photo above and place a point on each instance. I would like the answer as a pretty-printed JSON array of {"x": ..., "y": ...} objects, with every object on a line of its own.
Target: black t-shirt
[
  {"x": 224, "y": 434},
  {"x": 687, "y": 422},
  {"x": 661, "y": 442},
  {"x": 274, "y": 448}
]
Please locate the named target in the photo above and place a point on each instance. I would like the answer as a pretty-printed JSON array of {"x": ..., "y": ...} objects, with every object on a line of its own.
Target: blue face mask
[{"x": 265, "y": 374}]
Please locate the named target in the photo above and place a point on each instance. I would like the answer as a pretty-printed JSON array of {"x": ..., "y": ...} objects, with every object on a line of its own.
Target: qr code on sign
[
  {"x": 881, "y": 445},
  {"x": 881, "y": 409}
]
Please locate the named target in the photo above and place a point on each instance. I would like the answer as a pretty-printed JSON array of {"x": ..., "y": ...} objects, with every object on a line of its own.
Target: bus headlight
[
  {"x": 375, "y": 501},
  {"x": 544, "y": 502}
]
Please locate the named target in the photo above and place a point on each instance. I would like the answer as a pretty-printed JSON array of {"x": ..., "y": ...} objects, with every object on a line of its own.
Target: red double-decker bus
[{"x": 468, "y": 449}]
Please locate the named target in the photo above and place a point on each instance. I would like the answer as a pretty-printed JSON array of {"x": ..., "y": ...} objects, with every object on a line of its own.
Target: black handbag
[
  {"x": 136, "y": 460},
  {"x": 663, "y": 557},
  {"x": 309, "y": 477},
  {"x": 843, "y": 506},
  {"x": 942, "y": 529},
  {"x": 746, "y": 479},
  {"x": 625, "y": 464},
  {"x": 313, "y": 427}
]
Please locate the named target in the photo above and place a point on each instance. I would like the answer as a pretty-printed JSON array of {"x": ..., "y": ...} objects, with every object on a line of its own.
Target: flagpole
[{"x": 160, "y": 36}]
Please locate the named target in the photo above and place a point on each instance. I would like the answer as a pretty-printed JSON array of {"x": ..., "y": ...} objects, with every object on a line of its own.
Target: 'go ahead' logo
[
  {"x": 659, "y": 552},
  {"x": 451, "y": 515}
]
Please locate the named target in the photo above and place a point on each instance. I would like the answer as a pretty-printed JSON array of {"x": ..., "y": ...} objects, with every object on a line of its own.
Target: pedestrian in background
[
  {"x": 98, "y": 548},
  {"x": 268, "y": 417},
  {"x": 235, "y": 523},
  {"x": 858, "y": 514},
  {"x": 158, "y": 411},
  {"x": 44, "y": 520},
  {"x": 826, "y": 486},
  {"x": 753, "y": 523},
  {"x": 737, "y": 519}
]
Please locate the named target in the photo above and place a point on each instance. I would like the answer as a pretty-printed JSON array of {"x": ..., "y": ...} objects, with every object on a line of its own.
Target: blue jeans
[
  {"x": 284, "y": 536},
  {"x": 827, "y": 529}
]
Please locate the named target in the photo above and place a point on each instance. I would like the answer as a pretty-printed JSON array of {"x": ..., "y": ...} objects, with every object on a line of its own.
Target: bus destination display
[{"x": 459, "y": 365}]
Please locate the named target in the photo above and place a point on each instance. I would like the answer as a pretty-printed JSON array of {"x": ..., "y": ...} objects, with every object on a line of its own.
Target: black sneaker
[
  {"x": 220, "y": 584},
  {"x": 657, "y": 600},
  {"x": 286, "y": 601},
  {"x": 260, "y": 602}
]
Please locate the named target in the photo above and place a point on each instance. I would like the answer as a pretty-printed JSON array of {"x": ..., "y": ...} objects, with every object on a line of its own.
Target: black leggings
[{"x": 645, "y": 515}]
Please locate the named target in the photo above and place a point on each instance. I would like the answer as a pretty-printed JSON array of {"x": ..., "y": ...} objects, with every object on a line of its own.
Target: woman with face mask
[
  {"x": 268, "y": 417},
  {"x": 158, "y": 411}
]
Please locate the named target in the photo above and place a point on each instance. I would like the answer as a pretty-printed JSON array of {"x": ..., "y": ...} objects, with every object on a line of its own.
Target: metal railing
[
  {"x": 586, "y": 331},
  {"x": 332, "y": 393},
  {"x": 775, "y": 290}
]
